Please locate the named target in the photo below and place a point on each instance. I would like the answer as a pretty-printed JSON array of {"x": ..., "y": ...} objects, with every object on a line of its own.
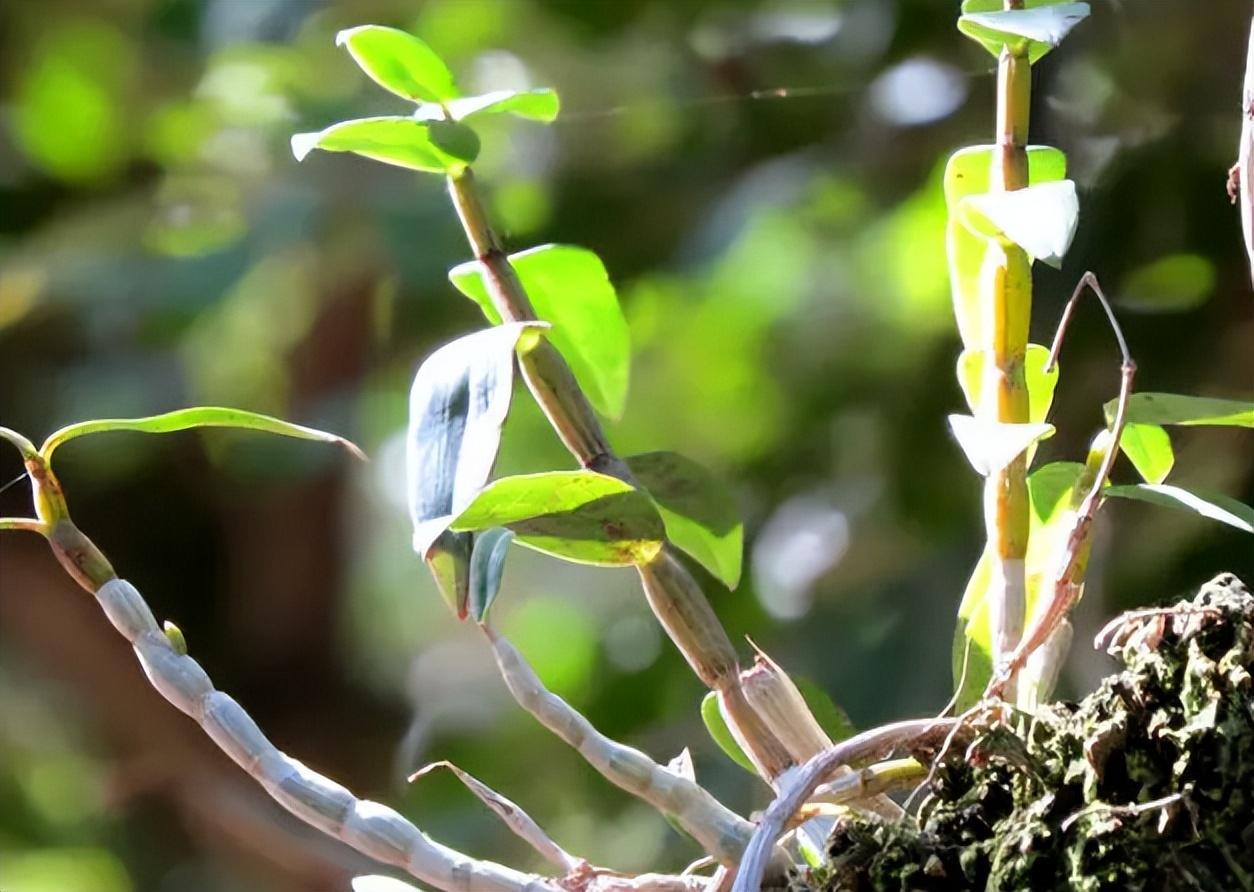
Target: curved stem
[{"x": 674, "y": 595}]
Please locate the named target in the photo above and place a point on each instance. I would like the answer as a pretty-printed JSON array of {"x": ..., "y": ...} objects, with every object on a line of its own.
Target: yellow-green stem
[
  {"x": 673, "y": 594},
  {"x": 1007, "y": 307}
]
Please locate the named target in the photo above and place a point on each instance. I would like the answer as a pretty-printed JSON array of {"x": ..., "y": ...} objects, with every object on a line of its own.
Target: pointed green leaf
[
  {"x": 1040, "y": 383},
  {"x": 399, "y": 62},
  {"x": 457, "y": 405},
  {"x": 431, "y": 146},
  {"x": 534, "y": 105},
  {"x": 570, "y": 289},
  {"x": 1039, "y": 219},
  {"x": 1174, "y": 408},
  {"x": 580, "y": 516},
  {"x": 699, "y": 512},
  {"x": 1032, "y": 31},
  {"x": 712, "y": 716},
  {"x": 1216, "y": 507},
  {"x": 1148, "y": 447},
  {"x": 972, "y": 654},
  {"x": 834, "y": 721},
  {"x": 487, "y": 564},
  {"x": 185, "y": 419},
  {"x": 991, "y": 445}
]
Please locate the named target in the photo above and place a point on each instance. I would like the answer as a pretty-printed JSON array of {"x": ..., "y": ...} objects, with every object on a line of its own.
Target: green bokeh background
[{"x": 781, "y": 265}]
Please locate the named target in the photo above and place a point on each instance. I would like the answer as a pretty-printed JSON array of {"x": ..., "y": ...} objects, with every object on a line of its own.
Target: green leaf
[
  {"x": 535, "y": 105},
  {"x": 712, "y": 715},
  {"x": 965, "y": 253},
  {"x": 699, "y": 512},
  {"x": 1148, "y": 447},
  {"x": 570, "y": 289},
  {"x": 1032, "y": 31},
  {"x": 1216, "y": 507},
  {"x": 457, "y": 405},
  {"x": 831, "y": 718},
  {"x": 1039, "y": 219},
  {"x": 1174, "y": 408},
  {"x": 431, "y": 146},
  {"x": 399, "y": 62},
  {"x": 992, "y": 445},
  {"x": 487, "y": 564},
  {"x": 1040, "y": 383},
  {"x": 969, "y": 170},
  {"x": 185, "y": 419},
  {"x": 580, "y": 516}
]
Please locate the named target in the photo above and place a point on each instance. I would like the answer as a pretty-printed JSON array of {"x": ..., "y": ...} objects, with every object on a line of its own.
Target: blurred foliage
[{"x": 762, "y": 180}]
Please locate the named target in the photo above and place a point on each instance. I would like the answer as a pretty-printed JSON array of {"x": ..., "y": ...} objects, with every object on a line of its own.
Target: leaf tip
[{"x": 304, "y": 143}]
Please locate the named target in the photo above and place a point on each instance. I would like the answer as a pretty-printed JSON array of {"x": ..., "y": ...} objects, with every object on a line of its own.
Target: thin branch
[
  {"x": 25, "y": 524},
  {"x": 369, "y": 827},
  {"x": 1068, "y": 578},
  {"x": 869, "y": 745},
  {"x": 518, "y": 821},
  {"x": 1088, "y": 280},
  {"x": 720, "y": 832}
]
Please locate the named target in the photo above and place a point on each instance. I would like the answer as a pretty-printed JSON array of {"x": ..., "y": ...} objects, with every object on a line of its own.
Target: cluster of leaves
[
  {"x": 1143, "y": 784},
  {"x": 1041, "y": 219},
  {"x": 464, "y": 521}
]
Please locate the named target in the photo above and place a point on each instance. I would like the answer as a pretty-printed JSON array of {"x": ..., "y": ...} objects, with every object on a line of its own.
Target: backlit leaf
[
  {"x": 570, "y": 289},
  {"x": 581, "y": 516},
  {"x": 458, "y": 402},
  {"x": 1171, "y": 284},
  {"x": 992, "y": 445},
  {"x": 487, "y": 564},
  {"x": 379, "y": 883},
  {"x": 431, "y": 146},
  {"x": 399, "y": 62},
  {"x": 1216, "y": 507},
  {"x": 535, "y": 105},
  {"x": 699, "y": 512},
  {"x": 1039, "y": 219},
  {"x": 1148, "y": 447},
  {"x": 969, "y": 170},
  {"x": 1175, "y": 408},
  {"x": 185, "y": 419},
  {"x": 1040, "y": 383},
  {"x": 1032, "y": 31},
  {"x": 721, "y": 734}
]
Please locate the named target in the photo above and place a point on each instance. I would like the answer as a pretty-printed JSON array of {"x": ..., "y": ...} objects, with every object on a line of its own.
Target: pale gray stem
[
  {"x": 369, "y": 827},
  {"x": 863, "y": 747},
  {"x": 720, "y": 832}
]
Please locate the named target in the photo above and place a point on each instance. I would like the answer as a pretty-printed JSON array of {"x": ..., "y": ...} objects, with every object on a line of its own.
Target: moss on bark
[{"x": 1146, "y": 784}]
